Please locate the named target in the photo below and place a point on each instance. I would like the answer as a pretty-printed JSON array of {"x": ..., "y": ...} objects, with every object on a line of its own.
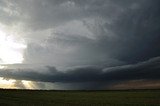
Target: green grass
[{"x": 79, "y": 98}]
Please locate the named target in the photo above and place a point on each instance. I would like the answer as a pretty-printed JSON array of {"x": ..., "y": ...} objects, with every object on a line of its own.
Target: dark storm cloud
[
  {"x": 125, "y": 31},
  {"x": 41, "y": 14},
  {"x": 135, "y": 32},
  {"x": 101, "y": 35},
  {"x": 90, "y": 76},
  {"x": 122, "y": 30},
  {"x": 139, "y": 31}
]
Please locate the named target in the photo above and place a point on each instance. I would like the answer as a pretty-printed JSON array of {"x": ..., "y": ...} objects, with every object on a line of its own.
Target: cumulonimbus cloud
[
  {"x": 107, "y": 39},
  {"x": 144, "y": 70}
]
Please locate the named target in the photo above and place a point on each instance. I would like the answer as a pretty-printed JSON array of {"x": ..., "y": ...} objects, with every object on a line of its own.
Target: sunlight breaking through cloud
[
  {"x": 7, "y": 83},
  {"x": 11, "y": 50}
]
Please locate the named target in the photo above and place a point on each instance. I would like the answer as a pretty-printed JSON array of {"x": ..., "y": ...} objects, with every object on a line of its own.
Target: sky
[{"x": 79, "y": 44}]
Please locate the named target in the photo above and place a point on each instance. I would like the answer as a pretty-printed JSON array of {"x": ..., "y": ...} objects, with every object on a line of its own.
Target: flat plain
[{"x": 79, "y": 98}]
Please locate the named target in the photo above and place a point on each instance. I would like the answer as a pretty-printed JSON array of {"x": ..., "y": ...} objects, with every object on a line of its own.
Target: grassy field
[{"x": 79, "y": 98}]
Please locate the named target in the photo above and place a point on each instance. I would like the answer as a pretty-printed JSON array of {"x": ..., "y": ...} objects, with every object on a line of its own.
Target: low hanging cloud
[{"x": 92, "y": 75}]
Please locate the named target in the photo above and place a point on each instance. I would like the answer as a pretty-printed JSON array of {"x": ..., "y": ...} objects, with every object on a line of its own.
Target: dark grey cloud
[
  {"x": 39, "y": 14},
  {"x": 99, "y": 36},
  {"x": 89, "y": 77},
  {"x": 134, "y": 32},
  {"x": 139, "y": 30},
  {"x": 122, "y": 31}
]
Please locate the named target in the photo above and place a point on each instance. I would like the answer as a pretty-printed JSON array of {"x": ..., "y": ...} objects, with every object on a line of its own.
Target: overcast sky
[{"x": 79, "y": 44}]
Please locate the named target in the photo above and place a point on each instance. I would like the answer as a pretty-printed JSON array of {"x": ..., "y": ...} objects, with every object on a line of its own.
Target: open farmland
[{"x": 79, "y": 98}]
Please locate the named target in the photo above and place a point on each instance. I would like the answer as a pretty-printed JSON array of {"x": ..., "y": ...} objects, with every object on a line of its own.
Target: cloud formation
[
  {"x": 89, "y": 74},
  {"x": 87, "y": 43},
  {"x": 126, "y": 32}
]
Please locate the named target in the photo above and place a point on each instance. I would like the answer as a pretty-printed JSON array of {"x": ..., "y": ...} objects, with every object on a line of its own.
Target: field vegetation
[{"x": 79, "y": 98}]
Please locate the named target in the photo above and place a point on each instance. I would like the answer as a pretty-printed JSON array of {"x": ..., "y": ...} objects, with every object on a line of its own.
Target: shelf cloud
[{"x": 89, "y": 43}]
